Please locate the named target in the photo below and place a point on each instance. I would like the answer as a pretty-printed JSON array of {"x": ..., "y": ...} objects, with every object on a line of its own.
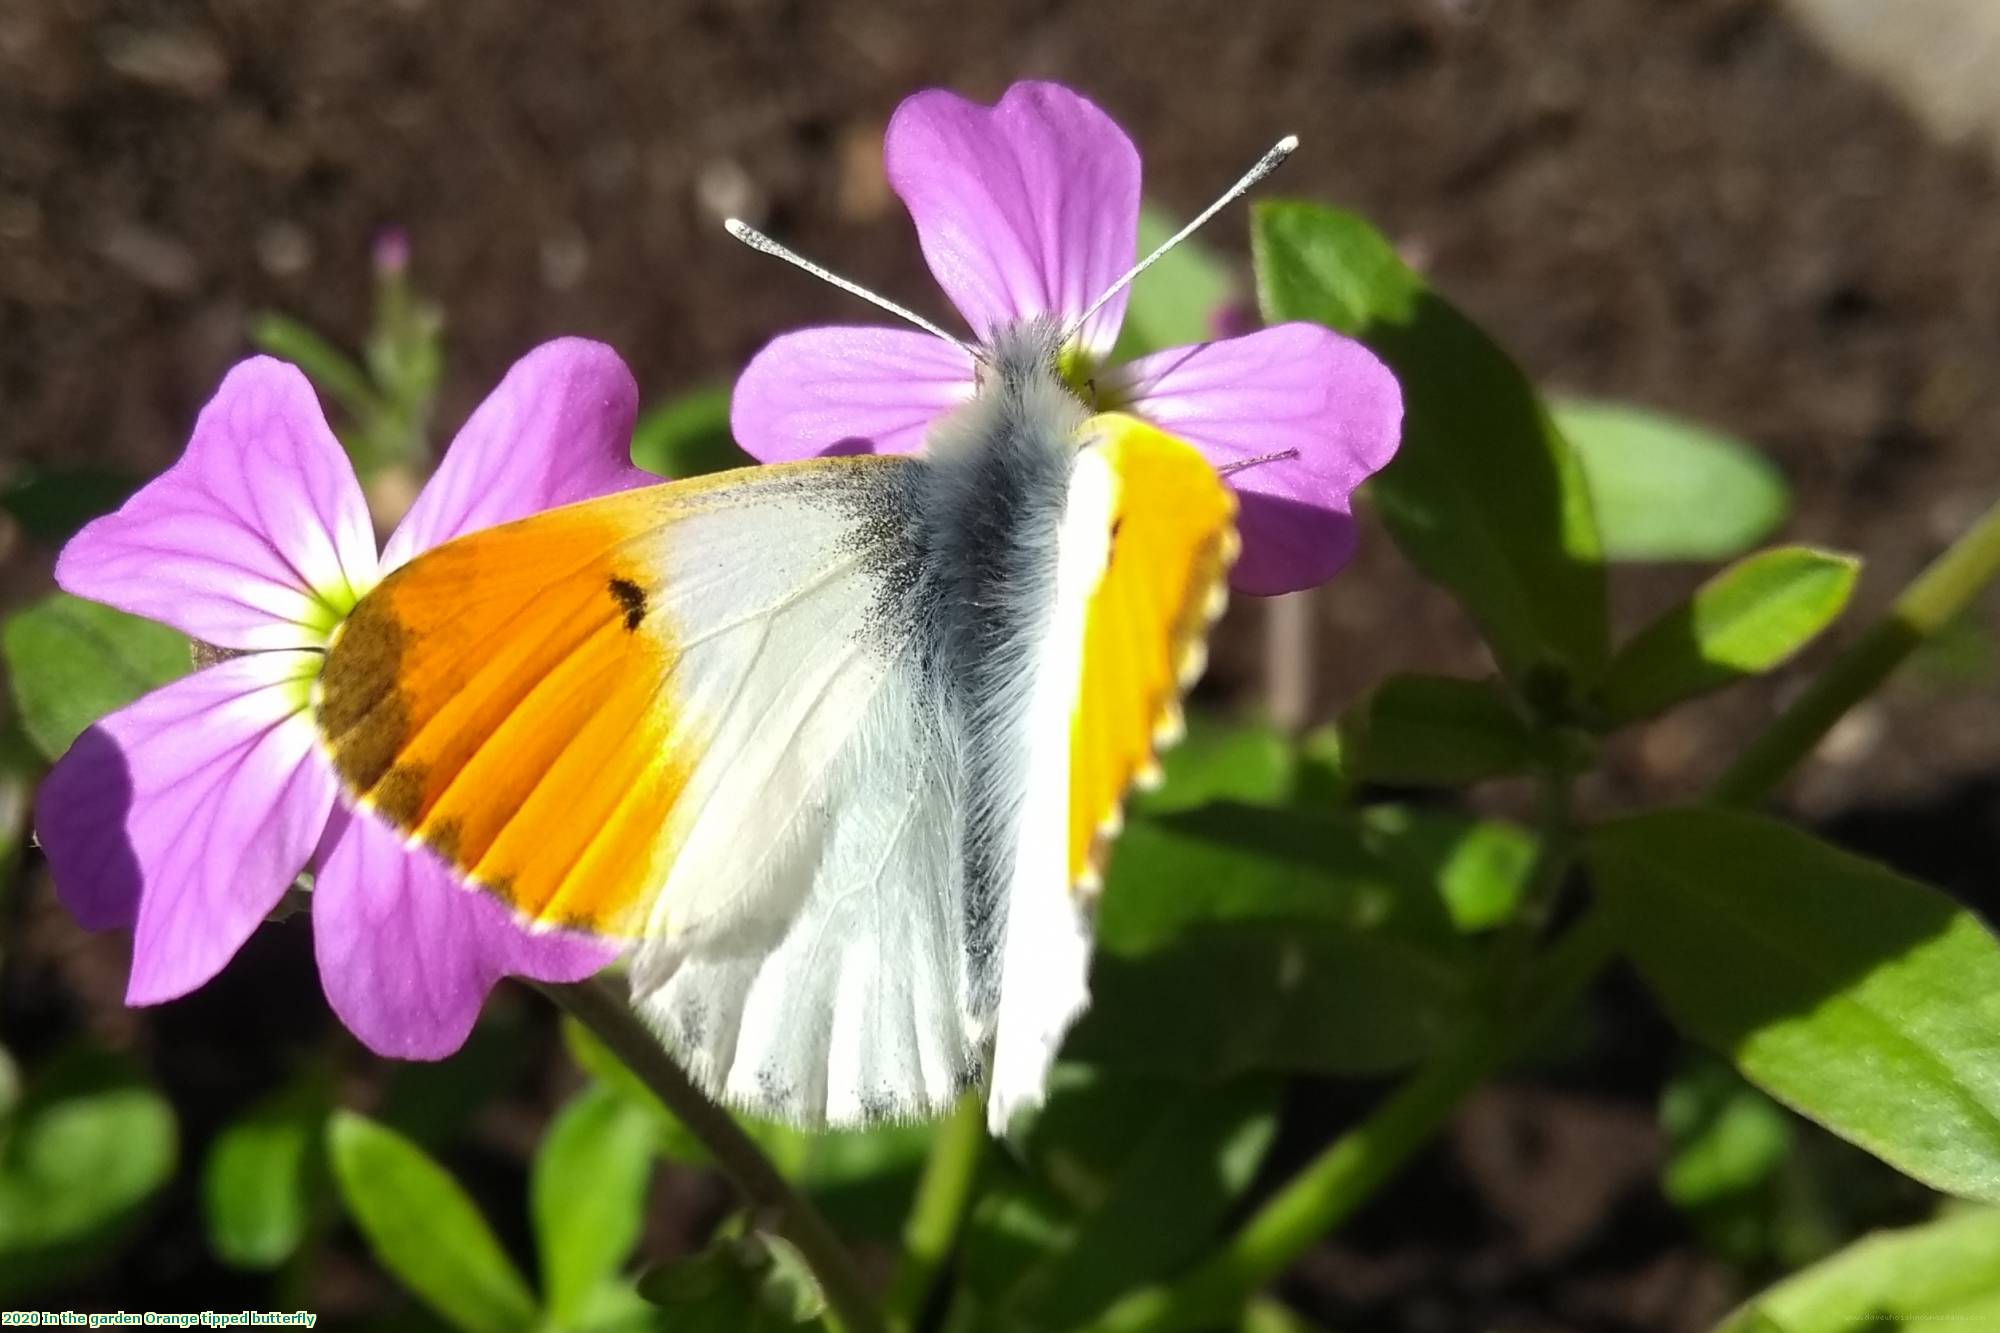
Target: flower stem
[
  {"x": 938, "y": 1210},
  {"x": 1554, "y": 836},
  {"x": 1944, "y": 589},
  {"x": 603, "y": 1009},
  {"x": 1346, "y": 1173}
]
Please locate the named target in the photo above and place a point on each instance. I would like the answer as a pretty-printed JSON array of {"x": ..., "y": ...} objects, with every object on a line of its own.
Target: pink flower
[
  {"x": 1030, "y": 209},
  {"x": 187, "y": 815}
]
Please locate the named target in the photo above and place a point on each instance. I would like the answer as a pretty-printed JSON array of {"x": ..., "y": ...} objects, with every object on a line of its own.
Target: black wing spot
[{"x": 632, "y": 597}]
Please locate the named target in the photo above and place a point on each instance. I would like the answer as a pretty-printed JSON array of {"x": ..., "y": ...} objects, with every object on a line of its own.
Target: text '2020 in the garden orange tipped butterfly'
[{"x": 838, "y": 744}]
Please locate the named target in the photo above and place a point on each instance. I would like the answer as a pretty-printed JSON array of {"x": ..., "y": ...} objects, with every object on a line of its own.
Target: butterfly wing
[
  {"x": 1147, "y": 540},
  {"x": 694, "y": 716}
]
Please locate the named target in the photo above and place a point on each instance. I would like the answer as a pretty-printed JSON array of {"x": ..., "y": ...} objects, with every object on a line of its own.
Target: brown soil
[{"x": 1673, "y": 201}]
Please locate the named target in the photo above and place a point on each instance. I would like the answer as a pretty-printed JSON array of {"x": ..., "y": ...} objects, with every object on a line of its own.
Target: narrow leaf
[
  {"x": 1865, "y": 1001},
  {"x": 1944, "y": 1273},
  {"x": 1666, "y": 489},
  {"x": 1746, "y": 620},
  {"x": 1435, "y": 731},
  {"x": 587, "y": 1196},
  {"x": 424, "y": 1229},
  {"x": 1484, "y": 495},
  {"x": 73, "y": 661}
]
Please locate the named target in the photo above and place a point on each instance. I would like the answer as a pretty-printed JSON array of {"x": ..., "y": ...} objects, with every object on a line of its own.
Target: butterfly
[{"x": 839, "y": 746}]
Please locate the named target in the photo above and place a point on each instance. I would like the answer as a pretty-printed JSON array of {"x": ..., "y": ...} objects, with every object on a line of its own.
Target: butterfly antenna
[
  {"x": 763, "y": 244},
  {"x": 1265, "y": 166}
]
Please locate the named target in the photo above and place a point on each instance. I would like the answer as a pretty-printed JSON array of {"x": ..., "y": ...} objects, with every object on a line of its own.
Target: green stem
[
  {"x": 1945, "y": 588},
  {"x": 1347, "y": 1173},
  {"x": 1555, "y": 834},
  {"x": 604, "y": 1010},
  {"x": 938, "y": 1210}
]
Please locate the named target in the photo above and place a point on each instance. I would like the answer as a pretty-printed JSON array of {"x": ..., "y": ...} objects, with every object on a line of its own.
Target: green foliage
[
  {"x": 587, "y": 1197},
  {"x": 72, "y": 661},
  {"x": 1484, "y": 495},
  {"x": 1436, "y": 731},
  {"x": 749, "y": 1284},
  {"x": 1945, "y": 1272},
  {"x": 1120, "y": 1179},
  {"x": 1222, "y": 761},
  {"x": 81, "y": 1155},
  {"x": 423, "y": 1228},
  {"x": 1174, "y": 302},
  {"x": 50, "y": 504},
  {"x": 1667, "y": 489},
  {"x": 688, "y": 436},
  {"x": 1746, "y": 620},
  {"x": 265, "y": 1175},
  {"x": 1864, "y": 1000}
]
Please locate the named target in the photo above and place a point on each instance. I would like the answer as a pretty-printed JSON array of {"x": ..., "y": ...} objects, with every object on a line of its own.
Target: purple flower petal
[
  {"x": 187, "y": 814},
  {"x": 557, "y": 429},
  {"x": 1298, "y": 387},
  {"x": 846, "y": 390},
  {"x": 231, "y": 543},
  {"x": 1030, "y": 207},
  {"x": 407, "y": 954}
]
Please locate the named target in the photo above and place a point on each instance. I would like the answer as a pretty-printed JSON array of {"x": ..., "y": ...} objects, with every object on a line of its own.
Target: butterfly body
[{"x": 838, "y": 745}]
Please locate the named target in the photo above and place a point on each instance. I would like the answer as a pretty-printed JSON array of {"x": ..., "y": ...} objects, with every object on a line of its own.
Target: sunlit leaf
[
  {"x": 1941, "y": 1274},
  {"x": 1667, "y": 489},
  {"x": 1222, "y": 761},
  {"x": 84, "y": 1151},
  {"x": 1863, "y": 1000},
  {"x": 1724, "y": 1137},
  {"x": 1746, "y": 620},
  {"x": 263, "y": 1175},
  {"x": 1484, "y": 495},
  {"x": 587, "y": 1196},
  {"x": 73, "y": 661},
  {"x": 1478, "y": 867},
  {"x": 423, "y": 1228}
]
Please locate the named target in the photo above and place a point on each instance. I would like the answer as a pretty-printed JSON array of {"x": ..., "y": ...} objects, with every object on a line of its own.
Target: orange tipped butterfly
[{"x": 838, "y": 746}]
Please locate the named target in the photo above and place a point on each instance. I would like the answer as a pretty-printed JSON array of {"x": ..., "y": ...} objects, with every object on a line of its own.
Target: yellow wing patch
[
  {"x": 1173, "y": 538},
  {"x": 502, "y": 700}
]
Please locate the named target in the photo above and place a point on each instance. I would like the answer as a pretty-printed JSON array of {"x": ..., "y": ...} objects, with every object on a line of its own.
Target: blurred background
[{"x": 1781, "y": 220}]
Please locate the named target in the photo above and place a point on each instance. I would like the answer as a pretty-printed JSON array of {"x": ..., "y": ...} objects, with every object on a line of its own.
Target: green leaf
[
  {"x": 331, "y": 370},
  {"x": 1865, "y": 1001},
  {"x": 1724, "y": 1137},
  {"x": 263, "y": 1175},
  {"x": 424, "y": 1229},
  {"x": 50, "y": 504},
  {"x": 688, "y": 436},
  {"x": 1484, "y": 495},
  {"x": 1174, "y": 302},
  {"x": 1163, "y": 1203},
  {"x": 1746, "y": 620},
  {"x": 1222, "y": 761},
  {"x": 1251, "y": 997},
  {"x": 1479, "y": 868},
  {"x": 1666, "y": 489},
  {"x": 1173, "y": 876},
  {"x": 84, "y": 1151},
  {"x": 1944, "y": 1273},
  {"x": 745, "y": 1284},
  {"x": 1435, "y": 731},
  {"x": 74, "y": 661},
  {"x": 587, "y": 1196}
]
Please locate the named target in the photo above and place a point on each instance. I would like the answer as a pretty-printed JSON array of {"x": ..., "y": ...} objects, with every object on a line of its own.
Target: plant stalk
[
  {"x": 1944, "y": 589},
  {"x": 938, "y": 1211},
  {"x": 603, "y": 1009}
]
